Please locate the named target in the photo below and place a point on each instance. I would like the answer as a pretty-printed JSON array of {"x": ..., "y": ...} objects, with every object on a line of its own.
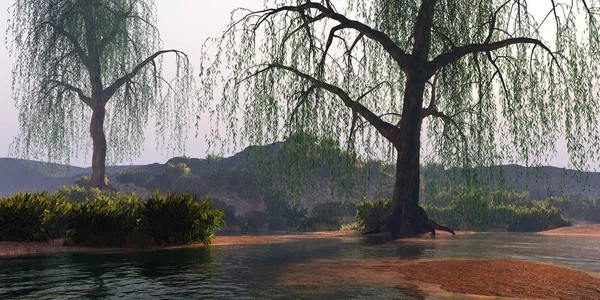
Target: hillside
[
  {"x": 291, "y": 172},
  {"x": 27, "y": 175}
]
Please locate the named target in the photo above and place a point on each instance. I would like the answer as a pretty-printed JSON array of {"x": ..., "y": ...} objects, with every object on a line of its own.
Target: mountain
[
  {"x": 28, "y": 175},
  {"x": 301, "y": 172}
]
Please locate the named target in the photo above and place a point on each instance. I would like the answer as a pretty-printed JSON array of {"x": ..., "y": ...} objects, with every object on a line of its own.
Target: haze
[{"x": 183, "y": 25}]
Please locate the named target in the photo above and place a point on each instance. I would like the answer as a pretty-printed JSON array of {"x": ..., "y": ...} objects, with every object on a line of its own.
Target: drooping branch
[
  {"x": 110, "y": 90},
  {"x": 386, "y": 129},
  {"x": 74, "y": 42},
  {"x": 71, "y": 88},
  {"x": 453, "y": 56},
  {"x": 388, "y": 44}
]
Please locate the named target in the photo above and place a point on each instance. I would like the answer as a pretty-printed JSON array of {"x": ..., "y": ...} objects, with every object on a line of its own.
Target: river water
[{"x": 258, "y": 271}]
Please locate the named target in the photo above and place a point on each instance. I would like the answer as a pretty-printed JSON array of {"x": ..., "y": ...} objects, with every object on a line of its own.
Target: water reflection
[{"x": 268, "y": 270}]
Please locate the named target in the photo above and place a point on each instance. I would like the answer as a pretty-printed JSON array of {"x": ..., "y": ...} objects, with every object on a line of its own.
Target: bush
[
  {"x": 369, "y": 213},
  {"x": 351, "y": 226},
  {"x": 477, "y": 210},
  {"x": 80, "y": 194},
  {"x": 33, "y": 217},
  {"x": 252, "y": 221},
  {"x": 179, "y": 219},
  {"x": 103, "y": 222},
  {"x": 542, "y": 216},
  {"x": 141, "y": 178}
]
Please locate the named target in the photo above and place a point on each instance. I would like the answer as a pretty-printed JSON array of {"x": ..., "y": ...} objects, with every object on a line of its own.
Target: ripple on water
[{"x": 271, "y": 270}]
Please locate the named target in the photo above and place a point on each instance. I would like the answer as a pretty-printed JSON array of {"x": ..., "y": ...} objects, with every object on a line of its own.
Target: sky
[{"x": 183, "y": 25}]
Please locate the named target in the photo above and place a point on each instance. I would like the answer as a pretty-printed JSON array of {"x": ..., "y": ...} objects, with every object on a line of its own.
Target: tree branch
[
  {"x": 453, "y": 56},
  {"x": 110, "y": 90},
  {"x": 386, "y": 129},
  {"x": 71, "y": 88},
  {"x": 388, "y": 44},
  {"x": 77, "y": 47}
]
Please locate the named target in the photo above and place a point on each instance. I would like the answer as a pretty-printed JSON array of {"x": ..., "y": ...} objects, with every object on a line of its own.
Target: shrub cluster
[
  {"x": 33, "y": 217},
  {"x": 368, "y": 213},
  {"x": 179, "y": 219},
  {"x": 469, "y": 209},
  {"x": 108, "y": 219}
]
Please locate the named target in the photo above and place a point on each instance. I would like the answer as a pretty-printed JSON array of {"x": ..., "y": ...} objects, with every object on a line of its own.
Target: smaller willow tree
[
  {"x": 76, "y": 57},
  {"x": 479, "y": 77}
]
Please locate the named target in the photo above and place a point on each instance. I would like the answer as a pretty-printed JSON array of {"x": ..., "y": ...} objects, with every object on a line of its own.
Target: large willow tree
[
  {"x": 482, "y": 82},
  {"x": 76, "y": 57}
]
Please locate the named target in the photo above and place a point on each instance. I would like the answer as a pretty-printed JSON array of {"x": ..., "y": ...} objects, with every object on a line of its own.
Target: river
[{"x": 264, "y": 270}]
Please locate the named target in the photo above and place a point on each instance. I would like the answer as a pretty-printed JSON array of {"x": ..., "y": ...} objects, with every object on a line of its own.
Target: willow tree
[
  {"x": 479, "y": 83},
  {"x": 76, "y": 57}
]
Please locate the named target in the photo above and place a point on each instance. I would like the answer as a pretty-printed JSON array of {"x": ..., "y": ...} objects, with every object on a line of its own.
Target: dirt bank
[
  {"x": 589, "y": 230},
  {"x": 8, "y": 249},
  {"x": 455, "y": 278}
]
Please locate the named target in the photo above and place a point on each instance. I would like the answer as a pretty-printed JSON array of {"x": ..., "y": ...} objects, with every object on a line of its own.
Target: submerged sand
[
  {"x": 584, "y": 230},
  {"x": 450, "y": 278}
]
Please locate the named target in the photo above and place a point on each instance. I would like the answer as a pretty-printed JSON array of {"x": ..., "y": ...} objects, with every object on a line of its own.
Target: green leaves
[
  {"x": 73, "y": 54},
  {"x": 109, "y": 219},
  {"x": 33, "y": 217},
  {"x": 179, "y": 219}
]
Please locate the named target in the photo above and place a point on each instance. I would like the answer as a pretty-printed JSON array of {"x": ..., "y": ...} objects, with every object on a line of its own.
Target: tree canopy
[
  {"x": 73, "y": 55},
  {"x": 506, "y": 79},
  {"x": 483, "y": 79}
]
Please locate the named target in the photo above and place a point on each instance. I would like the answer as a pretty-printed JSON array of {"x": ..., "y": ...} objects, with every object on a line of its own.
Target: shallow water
[{"x": 256, "y": 271}]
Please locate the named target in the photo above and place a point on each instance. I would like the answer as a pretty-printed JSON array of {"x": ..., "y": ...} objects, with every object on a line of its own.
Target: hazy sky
[{"x": 183, "y": 25}]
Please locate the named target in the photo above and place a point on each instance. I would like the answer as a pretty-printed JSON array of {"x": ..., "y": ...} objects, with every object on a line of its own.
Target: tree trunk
[
  {"x": 98, "y": 179},
  {"x": 407, "y": 217}
]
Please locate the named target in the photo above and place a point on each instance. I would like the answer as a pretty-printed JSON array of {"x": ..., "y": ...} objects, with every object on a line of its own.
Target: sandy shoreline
[
  {"x": 584, "y": 230},
  {"x": 447, "y": 278},
  {"x": 9, "y": 249}
]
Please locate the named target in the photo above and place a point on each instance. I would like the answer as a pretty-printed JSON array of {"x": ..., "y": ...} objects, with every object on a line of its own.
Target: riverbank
[
  {"x": 440, "y": 278},
  {"x": 583, "y": 230},
  {"x": 450, "y": 278},
  {"x": 8, "y": 249},
  {"x": 11, "y": 249}
]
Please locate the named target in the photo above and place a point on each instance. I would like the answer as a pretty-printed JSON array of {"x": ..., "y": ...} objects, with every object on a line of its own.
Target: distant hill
[
  {"x": 27, "y": 175},
  {"x": 289, "y": 171}
]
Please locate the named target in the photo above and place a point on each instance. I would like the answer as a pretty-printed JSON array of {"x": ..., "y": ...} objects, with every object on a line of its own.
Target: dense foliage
[
  {"x": 478, "y": 210},
  {"x": 33, "y": 217},
  {"x": 104, "y": 222},
  {"x": 94, "y": 218},
  {"x": 179, "y": 219}
]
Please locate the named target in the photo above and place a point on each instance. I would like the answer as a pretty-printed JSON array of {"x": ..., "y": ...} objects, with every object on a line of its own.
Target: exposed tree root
[{"x": 418, "y": 225}]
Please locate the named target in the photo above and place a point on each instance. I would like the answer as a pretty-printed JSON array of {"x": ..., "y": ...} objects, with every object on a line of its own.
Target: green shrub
[
  {"x": 351, "y": 226},
  {"x": 252, "y": 221},
  {"x": 542, "y": 216},
  {"x": 104, "y": 222},
  {"x": 369, "y": 213},
  {"x": 33, "y": 217},
  {"x": 83, "y": 181},
  {"x": 471, "y": 209},
  {"x": 179, "y": 219},
  {"x": 141, "y": 178},
  {"x": 80, "y": 194},
  {"x": 320, "y": 223}
]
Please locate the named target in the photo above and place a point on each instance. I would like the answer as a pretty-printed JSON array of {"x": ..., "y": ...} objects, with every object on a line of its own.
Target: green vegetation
[
  {"x": 474, "y": 209},
  {"x": 100, "y": 218},
  {"x": 179, "y": 219},
  {"x": 77, "y": 60},
  {"x": 33, "y": 217},
  {"x": 104, "y": 221}
]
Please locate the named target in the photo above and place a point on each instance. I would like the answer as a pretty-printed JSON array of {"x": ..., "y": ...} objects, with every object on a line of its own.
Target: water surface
[{"x": 255, "y": 271}]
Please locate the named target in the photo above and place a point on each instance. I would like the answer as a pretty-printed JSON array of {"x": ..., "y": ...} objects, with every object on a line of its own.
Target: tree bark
[
  {"x": 406, "y": 218},
  {"x": 98, "y": 178}
]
